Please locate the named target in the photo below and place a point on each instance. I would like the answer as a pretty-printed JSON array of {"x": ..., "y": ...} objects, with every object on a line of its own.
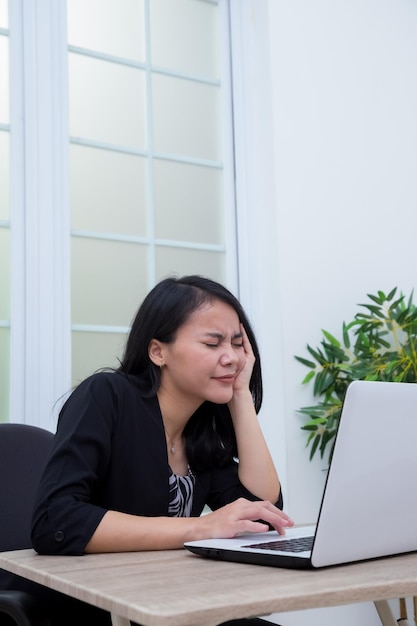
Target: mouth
[{"x": 226, "y": 379}]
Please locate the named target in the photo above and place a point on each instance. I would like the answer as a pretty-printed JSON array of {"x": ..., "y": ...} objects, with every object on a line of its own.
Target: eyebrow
[{"x": 220, "y": 336}]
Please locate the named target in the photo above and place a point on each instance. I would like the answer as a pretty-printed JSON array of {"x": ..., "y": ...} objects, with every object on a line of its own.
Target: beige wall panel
[
  {"x": 4, "y": 176},
  {"x": 115, "y": 28},
  {"x": 4, "y": 274},
  {"x": 188, "y": 202},
  {"x": 191, "y": 124},
  {"x": 176, "y": 261},
  {"x": 4, "y": 80},
  {"x": 185, "y": 37},
  {"x": 91, "y": 351},
  {"x": 4, "y": 375},
  {"x": 108, "y": 191},
  {"x": 109, "y": 279},
  {"x": 107, "y": 102}
]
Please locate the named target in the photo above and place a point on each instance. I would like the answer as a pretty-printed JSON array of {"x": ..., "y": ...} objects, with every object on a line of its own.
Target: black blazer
[{"x": 109, "y": 453}]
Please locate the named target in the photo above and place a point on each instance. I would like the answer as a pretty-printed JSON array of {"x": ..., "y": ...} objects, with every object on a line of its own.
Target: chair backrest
[{"x": 23, "y": 453}]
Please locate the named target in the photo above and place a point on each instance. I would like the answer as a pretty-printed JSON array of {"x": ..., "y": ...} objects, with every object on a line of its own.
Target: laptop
[{"x": 369, "y": 503}]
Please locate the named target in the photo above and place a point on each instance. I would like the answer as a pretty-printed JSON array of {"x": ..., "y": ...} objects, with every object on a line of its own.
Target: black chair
[{"x": 23, "y": 452}]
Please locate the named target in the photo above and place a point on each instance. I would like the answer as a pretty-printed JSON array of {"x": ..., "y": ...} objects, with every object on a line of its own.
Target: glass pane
[
  {"x": 108, "y": 191},
  {"x": 91, "y": 351},
  {"x": 4, "y": 274},
  {"x": 185, "y": 36},
  {"x": 4, "y": 374},
  {"x": 188, "y": 202},
  {"x": 109, "y": 279},
  {"x": 4, "y": 176},
  {"x": 107, "y": 101},
  {"x": 115, "y": 28},
  {"x": 179, "y": 261},
  {"x": 4, "y": 14},
  {"x": 191, "y": 124},
  {"x": 4, "y": 80}
]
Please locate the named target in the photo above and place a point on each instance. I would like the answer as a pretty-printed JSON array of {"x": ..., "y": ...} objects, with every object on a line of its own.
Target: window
[
  {"x": 126, "y": 145},
  {"x": 147, "y": 171},
  {"x": 145, "y": 102}
]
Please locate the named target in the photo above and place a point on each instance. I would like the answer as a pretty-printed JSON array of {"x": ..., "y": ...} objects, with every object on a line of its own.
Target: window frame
[
  {"x": 258, "y": 233},
  {"x": 40, "y": 330},
  {"x": 39, "y": 338}
]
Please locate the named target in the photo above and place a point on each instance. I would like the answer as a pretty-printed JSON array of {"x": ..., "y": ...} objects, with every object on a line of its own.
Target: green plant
[{"x": 380, "y": 343}]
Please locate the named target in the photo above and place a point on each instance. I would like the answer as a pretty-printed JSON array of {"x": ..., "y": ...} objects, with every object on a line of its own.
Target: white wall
[
  {"x": 344, "y": 87},
  {"x": 340, "y": 135}
]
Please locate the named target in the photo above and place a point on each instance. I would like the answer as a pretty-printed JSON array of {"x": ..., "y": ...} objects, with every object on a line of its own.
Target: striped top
[{"x": 181, "y": 492}]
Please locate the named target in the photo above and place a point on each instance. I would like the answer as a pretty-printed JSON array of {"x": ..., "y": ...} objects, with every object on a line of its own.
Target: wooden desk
[{"x": 176, "y": 588}]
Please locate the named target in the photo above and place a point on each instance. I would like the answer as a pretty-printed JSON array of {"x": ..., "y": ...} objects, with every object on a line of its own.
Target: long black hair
[{"x": 209, "y": 434}]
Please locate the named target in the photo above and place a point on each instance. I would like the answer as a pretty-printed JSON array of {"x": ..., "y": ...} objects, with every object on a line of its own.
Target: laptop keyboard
[{"x": 297, "y": 544}]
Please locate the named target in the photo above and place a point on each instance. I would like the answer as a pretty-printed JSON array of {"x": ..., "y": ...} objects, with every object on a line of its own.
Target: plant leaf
[
  {"x": 376, "y": 310},
  {"x": 317, "y": 355},
  {"x": 309, "y": 376},
  {"x": 305, "y": 362},
  {"x": 314, "y": 446},
  {"x": 378, "y": 300},
  {"x": 346, "y": 338},
  {"x": 335, "y": 342}
]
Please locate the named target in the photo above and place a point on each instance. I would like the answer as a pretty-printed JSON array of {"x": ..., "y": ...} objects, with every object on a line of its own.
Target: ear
[{"x": 155, "y": 352}]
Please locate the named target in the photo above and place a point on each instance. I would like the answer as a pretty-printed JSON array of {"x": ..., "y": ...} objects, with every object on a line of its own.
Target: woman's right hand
[
  {"x": 121, "y": 532},
  {"x": 240, "y": 516}
]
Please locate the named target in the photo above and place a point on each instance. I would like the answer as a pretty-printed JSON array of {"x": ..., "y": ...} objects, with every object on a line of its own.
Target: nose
[{"x": 229, "y": 356}]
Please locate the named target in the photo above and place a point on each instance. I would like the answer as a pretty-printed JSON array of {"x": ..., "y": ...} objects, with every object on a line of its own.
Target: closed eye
[
  {"x": 218, "y": 339},
  {"x": 216, "y": 345}
]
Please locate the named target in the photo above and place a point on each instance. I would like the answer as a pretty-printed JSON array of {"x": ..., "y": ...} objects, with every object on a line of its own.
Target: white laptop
[{"x": 369, "y": 504}]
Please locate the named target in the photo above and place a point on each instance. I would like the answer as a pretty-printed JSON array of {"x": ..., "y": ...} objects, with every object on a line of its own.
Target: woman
[{"x": 140, "y": 451}]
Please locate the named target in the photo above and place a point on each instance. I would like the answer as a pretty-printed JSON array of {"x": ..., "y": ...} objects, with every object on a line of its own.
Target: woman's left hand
[
  {"x": 243, "y": 378},
  {"x": 256, "y": 468}
]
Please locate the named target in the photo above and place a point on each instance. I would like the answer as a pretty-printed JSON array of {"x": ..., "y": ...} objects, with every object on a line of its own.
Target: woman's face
[{"x": 206, "y": 356}]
